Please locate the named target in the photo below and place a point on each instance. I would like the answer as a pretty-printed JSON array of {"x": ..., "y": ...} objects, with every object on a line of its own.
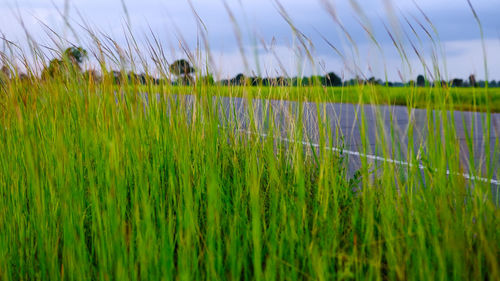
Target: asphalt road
[{"x": 387, "y": 130}]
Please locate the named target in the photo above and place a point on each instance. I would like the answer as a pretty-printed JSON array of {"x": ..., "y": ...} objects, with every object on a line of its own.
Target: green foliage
[
  {"x": 75, "y": 54},
  {"x": 68, "y": 64},
  {"x": 4, "y": 76},
  {"x": 98, "y": 186},
  {"x": 208, "y": 80},
  {"x": 182, "y": 69},
  {"x": 56, "y": 67}
]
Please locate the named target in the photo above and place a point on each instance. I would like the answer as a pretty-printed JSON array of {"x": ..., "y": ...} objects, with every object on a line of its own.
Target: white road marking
[{"x": 376, "y": 158}]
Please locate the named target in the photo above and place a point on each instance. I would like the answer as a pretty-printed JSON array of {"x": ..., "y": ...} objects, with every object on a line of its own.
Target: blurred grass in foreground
[
  {"x": 95, "y": 185},
  {"x": 98, "y": 183}
]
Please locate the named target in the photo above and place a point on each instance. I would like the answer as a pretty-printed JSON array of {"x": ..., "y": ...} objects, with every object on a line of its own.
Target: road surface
[{"x": 386, "y": 130}]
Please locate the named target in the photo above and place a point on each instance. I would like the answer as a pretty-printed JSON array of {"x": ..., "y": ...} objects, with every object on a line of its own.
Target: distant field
[{"x": 465, "y": 99}]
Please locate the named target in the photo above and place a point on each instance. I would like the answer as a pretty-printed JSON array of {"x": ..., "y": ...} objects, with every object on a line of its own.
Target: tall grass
[{"x": 99, "y": 181}]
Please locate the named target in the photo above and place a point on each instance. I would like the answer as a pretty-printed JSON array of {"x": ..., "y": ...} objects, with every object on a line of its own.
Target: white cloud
[{"x": 453, "y": 20}]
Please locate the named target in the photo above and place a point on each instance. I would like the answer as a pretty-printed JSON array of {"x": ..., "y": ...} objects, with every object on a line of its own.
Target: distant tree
[
  {"x": 143, "y": 78},
  {"x": 208, "y": 80},
  {"x": 306, "y": 81},
  {"x": 333, "y": 79},
  {"x": 493, "y": 84},
  {"x": 23, "y": 77},
  {"x": 117, "y": 77},
  {"x": 69, "y": 63},
  {"x": 283, "y": 81},
  {"x": 266, "y": 82},
  {"x": 239, "y": 79},
  {"x": 5, "y": 72},
  {"x": 75, "y": 55},
  {"x": 420, "y": 81},
  {"x": 182, "y": 69},
  {"x": 4, "y": 75},
  {"x": 135, "y": 78},
  {"x": 442, "y": 83},
  {"x": 374, "y": 81},
  {"x": 256, "y": 81},
  {"x": 353, "y": 82},
  {"x": 317, "y": 80},
  {"x": 278, "y": 81},
  {"x": 54, "y": 68},
  {"x": 132, "y": 77},
  {"x": 92, "y": 75},
  {"x": 472, "y": 80},
  {"x": 457, "y": 82}
]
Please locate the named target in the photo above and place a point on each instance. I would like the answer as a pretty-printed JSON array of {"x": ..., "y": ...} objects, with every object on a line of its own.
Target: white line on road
[{"x": 377, "y": 158}]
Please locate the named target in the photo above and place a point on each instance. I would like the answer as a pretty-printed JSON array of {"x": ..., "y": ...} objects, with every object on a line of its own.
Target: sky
[{"x": 351, "y": 39}]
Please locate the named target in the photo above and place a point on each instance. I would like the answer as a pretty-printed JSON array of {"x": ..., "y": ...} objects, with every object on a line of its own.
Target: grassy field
[
  {"x": 464, "y": 99},
  {"x": 95, "y": 185}
]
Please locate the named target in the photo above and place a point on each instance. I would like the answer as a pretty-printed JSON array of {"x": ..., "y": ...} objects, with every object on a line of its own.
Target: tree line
[
  {"x": 333, "y": 80},
  {"x": 69, "y": 64}
]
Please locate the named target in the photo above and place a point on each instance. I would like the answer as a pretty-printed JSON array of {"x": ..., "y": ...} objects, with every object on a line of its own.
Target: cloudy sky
[{"x": 269, "y": 44}]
